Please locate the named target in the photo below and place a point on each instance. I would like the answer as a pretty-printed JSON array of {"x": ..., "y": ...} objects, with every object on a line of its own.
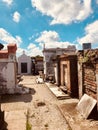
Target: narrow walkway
[{"x": 40, "y": 104}]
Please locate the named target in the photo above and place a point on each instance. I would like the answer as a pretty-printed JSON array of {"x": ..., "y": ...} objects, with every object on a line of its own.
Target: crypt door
[{"x": 23, "y": 67}]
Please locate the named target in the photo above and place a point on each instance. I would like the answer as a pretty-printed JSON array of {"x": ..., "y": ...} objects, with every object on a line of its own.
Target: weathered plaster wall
[
  {"x": 3, "y": 78},
  {"x": 68, "y": 74},
  {"x": 48, "y": 63},
  {"x": 8, "y": 69},
  {"x": 7, "y": 77}
]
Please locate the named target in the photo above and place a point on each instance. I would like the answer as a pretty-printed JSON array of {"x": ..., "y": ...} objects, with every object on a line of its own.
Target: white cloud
[
  {"x": 19, "y": 51},
  {"x": 85, "y": 10},
  {"x": 8, "y": 2},
  {"x": 97, "y": 1},
  {"x": 51, "y": 40},
  {"x": 18, "y": 39},
  {"x": 31, "y": 46},
  {"x": 6, "y": 37},
  {"x": 64, "y": 11},
  {"x": 48, "y": 36},
  {"x": 91, "y": 34},
  {"x": 16, "y": 17},
  {"x": 33, "y": 50}
]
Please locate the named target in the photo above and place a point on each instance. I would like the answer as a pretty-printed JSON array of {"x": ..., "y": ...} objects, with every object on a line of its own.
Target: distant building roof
[{"x": 73, "y": 48}]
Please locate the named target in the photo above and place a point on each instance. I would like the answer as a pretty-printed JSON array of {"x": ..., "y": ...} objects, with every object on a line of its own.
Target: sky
[{"x": 31, "y": 24}]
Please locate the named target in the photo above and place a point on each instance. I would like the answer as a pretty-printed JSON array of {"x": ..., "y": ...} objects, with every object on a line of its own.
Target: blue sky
[{"x": 56, "y": 23}]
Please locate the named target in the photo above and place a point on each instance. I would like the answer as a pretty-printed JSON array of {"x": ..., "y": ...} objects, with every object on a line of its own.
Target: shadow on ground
[{"x": 18, "y": 97}]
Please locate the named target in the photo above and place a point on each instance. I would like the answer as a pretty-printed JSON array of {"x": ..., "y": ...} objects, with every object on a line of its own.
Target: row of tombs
[{"x": 77, "y": 72}]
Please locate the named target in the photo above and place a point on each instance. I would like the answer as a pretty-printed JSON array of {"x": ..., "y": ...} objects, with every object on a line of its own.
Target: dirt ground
[
  {"x": 41, "y": 110},
  {"x": 38, "y": 109}
]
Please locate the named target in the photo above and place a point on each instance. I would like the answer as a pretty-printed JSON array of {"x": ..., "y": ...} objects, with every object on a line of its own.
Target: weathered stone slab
[
  {"x": 86, "y": 105},
  {"x": 59, "y": 93}
]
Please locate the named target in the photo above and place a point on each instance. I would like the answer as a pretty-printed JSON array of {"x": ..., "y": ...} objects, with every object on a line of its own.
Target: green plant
[
  {"x": 88, "y": 57},
  {"x": 28, "y": 125}
]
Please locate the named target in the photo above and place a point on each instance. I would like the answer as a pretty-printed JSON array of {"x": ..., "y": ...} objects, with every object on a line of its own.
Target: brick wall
[
  {"x": 87, "y": 70},
  {"x": 90, "y": 86}
]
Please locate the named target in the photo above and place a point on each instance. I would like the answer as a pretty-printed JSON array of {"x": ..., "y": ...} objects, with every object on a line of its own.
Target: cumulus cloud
[
  {"x": 64, "y": 11},
  {"x": 31, "y": 46},
  {"x": 97, "y": 1},
  {"x": 48, "y": 36},
  {"x": 33, "y": 50},
  {"x": 20, "y": 51},
  {"x": 6, "y": 37},
  {"x": 16, "y": 17},
  {"x": 8, "y": 2},
  {"x": 91, "y": 34},
  {"x": 51, "y": 40}
]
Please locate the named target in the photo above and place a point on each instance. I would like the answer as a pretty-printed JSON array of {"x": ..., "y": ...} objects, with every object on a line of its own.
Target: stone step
[{"x": 57, "y": 92}]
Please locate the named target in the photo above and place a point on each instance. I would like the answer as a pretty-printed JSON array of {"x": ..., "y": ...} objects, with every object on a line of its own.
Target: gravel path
[{"x": 39, "y": 107}]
